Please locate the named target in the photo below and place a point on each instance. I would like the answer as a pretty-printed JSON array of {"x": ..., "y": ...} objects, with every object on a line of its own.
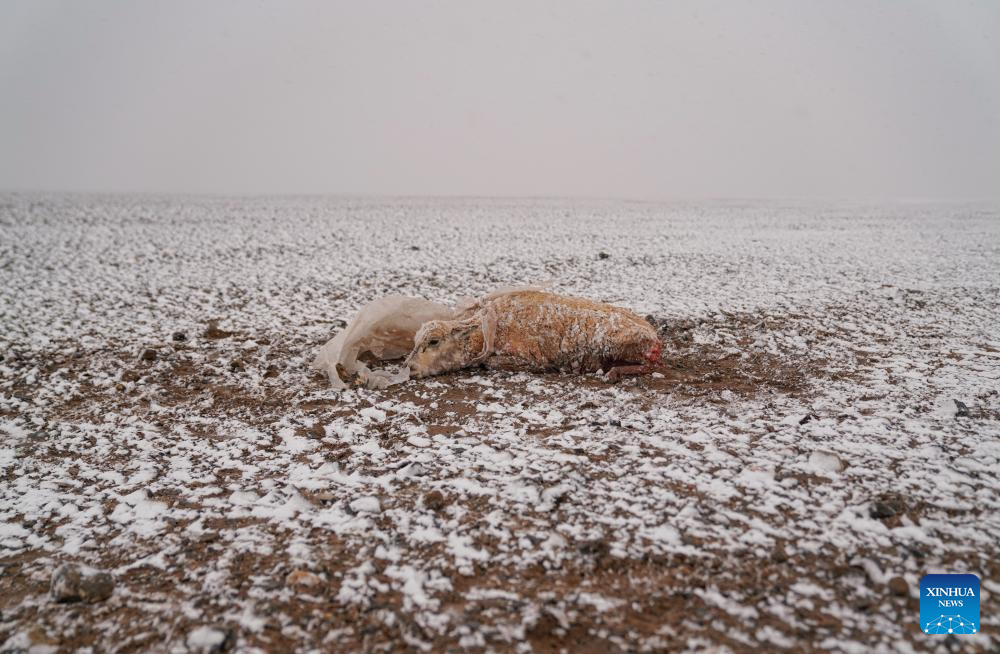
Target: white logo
[{"x": 950, "y": 624}]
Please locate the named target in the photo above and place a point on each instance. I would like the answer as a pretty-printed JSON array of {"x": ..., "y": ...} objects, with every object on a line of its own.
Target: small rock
[
  {"x": 149, "y": 354},
  {"x": 414, "y": 247},
  {"x": 412, "y": 469},
  {"x": 303, "y": 579},
  {"x": 179, "y": 337},
  {"x": 807, "y": 418},
  {"x": 236, "y": 365},
  {"x": 887, "y": 505},
  {"x": 210, "y": 640},
  {"x": 367, "y": 504},
  {"x": 595, "y": 547},
  {"x": 961, "y": 409},
  {"x": 213, "y": 331},
  {"x": 323, "y": 497},
  {"x": 75, "y": 583},
  {"x": 603, "y": 255},
  {"x": 899, "y": 587},
  {"x": 862, "y": 604},
  {"x": 881, "y": 511},
  {"x": 435, "y": 500},
  {"x": 419, "y": 441},
  {"x": 826, "y": 461},
  {"x": 32, "y": 640},
  {"x": 373, "y": 414}
]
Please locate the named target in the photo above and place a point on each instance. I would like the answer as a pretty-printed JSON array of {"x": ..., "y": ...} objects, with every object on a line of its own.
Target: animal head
[{"x": 441, "y": 346}]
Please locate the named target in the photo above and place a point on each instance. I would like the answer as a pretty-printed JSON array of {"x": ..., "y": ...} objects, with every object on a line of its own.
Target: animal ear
[
  {"x": 468, "y": 325},
  {"x": 487, "y": 322},
  {"x": 489, "y": 325}
]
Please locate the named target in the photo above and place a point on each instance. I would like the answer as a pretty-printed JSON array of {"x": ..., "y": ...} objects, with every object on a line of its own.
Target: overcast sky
[{"x": 875, "y": 99}]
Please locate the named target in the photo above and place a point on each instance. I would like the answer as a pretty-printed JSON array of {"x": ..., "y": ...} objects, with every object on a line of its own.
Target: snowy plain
[{"x": 826, "y": 432}]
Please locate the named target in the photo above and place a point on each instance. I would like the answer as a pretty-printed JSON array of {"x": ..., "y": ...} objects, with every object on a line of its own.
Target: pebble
[
  {"x": 214, "y": 332},
  {"x": 367, "y": 504},
  {"x": 826, "y": 461},
  {"x": 412, "y": 469},
  {"x": 303, "y": 579},
  {"x": 882, "y": 510},
  {"x": 210, "y": 640},
  {"x": 597, "y": 548},
  {"x": 34, "y": 640},
  {"x": 149, "y": 354},
  {"x": 419, "y": 441},
  {"x": 898, "y": 586},
  {"x": 887, "y": 505},
  {"x": 435, "y": 500},
  {"x": 373, "y": 414},
  {"x": 76, "y": 583}
]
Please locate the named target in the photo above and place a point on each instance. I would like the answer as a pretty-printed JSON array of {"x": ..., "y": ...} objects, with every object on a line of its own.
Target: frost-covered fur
[
  {"x": 533, "y": 330},
  {"x": 443, "y": 345}
]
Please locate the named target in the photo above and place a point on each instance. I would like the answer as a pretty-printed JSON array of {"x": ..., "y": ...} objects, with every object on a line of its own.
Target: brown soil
[{"x": 662, "y": 593}]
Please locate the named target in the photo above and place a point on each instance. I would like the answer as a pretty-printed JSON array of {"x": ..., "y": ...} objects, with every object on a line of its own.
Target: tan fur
[{"x": 534, "y": 330}]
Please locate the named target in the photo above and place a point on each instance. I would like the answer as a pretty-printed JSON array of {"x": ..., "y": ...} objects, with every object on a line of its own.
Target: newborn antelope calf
[{"x": 537, "y": 331}]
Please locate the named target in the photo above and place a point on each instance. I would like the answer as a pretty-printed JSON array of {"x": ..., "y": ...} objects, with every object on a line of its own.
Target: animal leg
[
  {"x": 488, "y": 324},
  {"x": 617, "y": 372},
  {"x": 489, "y": 330}
]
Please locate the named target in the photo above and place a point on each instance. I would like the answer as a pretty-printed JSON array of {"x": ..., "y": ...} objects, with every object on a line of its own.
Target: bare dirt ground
[{"x": 824, "y": 433}]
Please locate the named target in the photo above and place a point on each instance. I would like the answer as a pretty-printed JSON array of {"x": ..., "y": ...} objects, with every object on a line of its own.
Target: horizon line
[{"x": 903, "y": 199}]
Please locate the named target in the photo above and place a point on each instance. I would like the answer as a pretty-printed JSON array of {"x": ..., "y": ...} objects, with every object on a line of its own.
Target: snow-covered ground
[{"x": 800, "y": 464}]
